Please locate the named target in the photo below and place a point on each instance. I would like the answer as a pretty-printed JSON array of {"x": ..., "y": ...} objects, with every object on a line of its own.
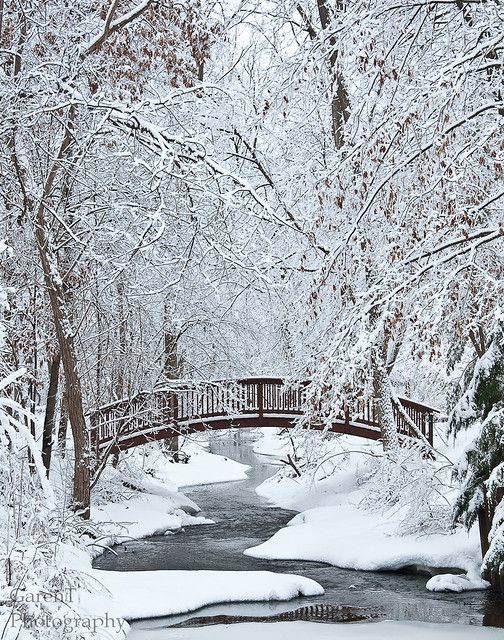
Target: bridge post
[
  {"x": 94, "y": 440},
  {"x": 260, "y": 398},
  {"x": 430, "y": 436}
]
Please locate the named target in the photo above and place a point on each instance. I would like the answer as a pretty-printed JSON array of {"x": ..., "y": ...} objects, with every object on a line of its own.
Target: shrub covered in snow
[
  {"x": 35, "y": 588},
  {"x": 38, "y": 593},
  {"x": 415, "y": 487}
]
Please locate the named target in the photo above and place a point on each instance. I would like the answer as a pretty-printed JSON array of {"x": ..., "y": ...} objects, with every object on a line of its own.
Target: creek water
[{"x": 243, "y": 519}]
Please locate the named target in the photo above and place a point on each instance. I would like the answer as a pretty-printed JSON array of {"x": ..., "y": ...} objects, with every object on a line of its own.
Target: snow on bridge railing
[{"x": 180, "y": 404}]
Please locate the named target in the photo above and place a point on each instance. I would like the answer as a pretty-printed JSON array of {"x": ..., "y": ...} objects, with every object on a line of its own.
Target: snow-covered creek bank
[{"x": 244, "y": 520}]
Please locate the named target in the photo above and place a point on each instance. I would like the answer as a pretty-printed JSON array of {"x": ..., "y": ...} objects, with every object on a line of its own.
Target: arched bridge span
[{"x": 185, "y": 408}]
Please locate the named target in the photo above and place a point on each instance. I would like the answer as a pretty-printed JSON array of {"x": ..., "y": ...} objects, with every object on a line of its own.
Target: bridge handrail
[
  {"x": 180, "y": 384},
  {"x": 183, "y": 402}
]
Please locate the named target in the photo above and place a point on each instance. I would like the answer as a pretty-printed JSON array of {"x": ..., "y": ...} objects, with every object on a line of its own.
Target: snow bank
[
  {"x": 311, "y": 630},
  {"x": 151, "y": 506},
  {"x": 271, "y": 444},
  {"x": 146, "y": 594},
  {"x": 353, "y": 538},
  {"x": 158, "y": 507},
  {"x": 298, "y": 494},
  {"x": 142, "y": 516},
  {"x": 331, "y": 485},
  {"x": 456, "y": 583},
  {"x": 203, "y": 468},
  {"x": 334, "y": 526},
  {"x": 128, "y": 595}
]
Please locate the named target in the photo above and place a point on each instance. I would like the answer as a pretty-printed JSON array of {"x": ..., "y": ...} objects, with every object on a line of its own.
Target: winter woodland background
[{"x": 310, "y": 189}]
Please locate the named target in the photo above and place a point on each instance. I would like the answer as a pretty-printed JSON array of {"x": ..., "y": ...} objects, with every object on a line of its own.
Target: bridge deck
[{"x": 252, "y": 402}]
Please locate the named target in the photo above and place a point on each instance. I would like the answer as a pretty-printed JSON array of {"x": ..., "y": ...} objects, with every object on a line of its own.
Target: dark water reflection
[{"x": 244, "y": 520}]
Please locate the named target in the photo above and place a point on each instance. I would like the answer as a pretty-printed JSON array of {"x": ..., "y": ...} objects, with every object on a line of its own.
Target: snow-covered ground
[
  {"x": 311, "y": 630},
  {"x": 111, "y": 597},
  {"x": 270, "y": 444},
  {"x": 158, "y": 506},
  {"x": 148, "y": 594},
  {"x": 352, "y": 538},
  {"x": 338, "y": 528},
  {"x": 203, "y": 467},
  {"x": 144, "y": 515},
  {"x": 141, "y": 498}
]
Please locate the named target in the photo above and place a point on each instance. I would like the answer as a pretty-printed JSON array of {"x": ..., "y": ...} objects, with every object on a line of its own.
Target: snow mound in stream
[
  {"x": 352, "y": 538},
  {"x": 149, "y": 594},
  {"x": 456, "y": 583}
]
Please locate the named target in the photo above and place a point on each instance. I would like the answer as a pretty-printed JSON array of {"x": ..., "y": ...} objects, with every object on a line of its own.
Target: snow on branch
[
  {"x": 15, "y": 428},
  {"x": 111, "y": 26},
  {"x": 193, "y": 151}
]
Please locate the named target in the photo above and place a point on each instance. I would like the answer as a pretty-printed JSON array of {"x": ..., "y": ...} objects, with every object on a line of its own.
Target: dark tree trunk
[
  {"x": 340, "y": 103},
  {"x": 50, "y": 412},
  {"x": 120, "y": 386},
  {"x": 32, "y": 386},
  {"x": 75, "y": 407},
  {"x": 99, "y": 350},
  {"x": 63, "y": 424},
  {"x": 62, "y": 325},
  {"x": 486, "y": 515},
  {"x": 172, "y": 367}
]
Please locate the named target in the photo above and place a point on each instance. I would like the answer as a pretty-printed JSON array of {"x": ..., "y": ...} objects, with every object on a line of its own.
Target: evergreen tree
[{"x": 482, "y": 470}]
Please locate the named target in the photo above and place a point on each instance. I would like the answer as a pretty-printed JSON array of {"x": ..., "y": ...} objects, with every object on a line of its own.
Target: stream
[{"x": 243, "y": 520}]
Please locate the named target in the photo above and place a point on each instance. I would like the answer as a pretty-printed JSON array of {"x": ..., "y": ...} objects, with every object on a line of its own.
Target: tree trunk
[
  {"x": 52, "y": 395},
  {"x": 384, "y": 412},
  {"x": 81, "y": 477},
  {"x": 382, "y": 392},
  {"x": 81, "y": 486},
  {"x": 64, "y": 333},
  {"x": 32, "y": 387},
  {"x": 99, "y": 349},
  {"x": 120, "y": 386},
  {"x": 171, "y": 367},
  {"x": 340, "y": 103},
  {"x": 63, "y": 424}
]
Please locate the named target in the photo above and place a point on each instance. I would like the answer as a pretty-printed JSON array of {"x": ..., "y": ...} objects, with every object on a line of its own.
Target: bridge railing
[
  {"x": 181, "y": 404},
  {"x": 420, "y": 415}
]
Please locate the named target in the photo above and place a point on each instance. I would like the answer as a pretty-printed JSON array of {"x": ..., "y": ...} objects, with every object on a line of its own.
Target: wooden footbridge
[{"x": 186, "y": 408}]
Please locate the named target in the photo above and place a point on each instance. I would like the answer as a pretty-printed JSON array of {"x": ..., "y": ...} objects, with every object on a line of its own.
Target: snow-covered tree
[
  {"x": 117, "y": 169},
  {"x": 481, "y": 405},
  {"x": 407, "y": 211}
]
